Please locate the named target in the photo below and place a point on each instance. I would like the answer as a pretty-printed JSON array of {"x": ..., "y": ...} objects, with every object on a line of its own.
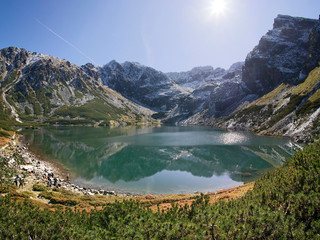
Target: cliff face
[
  {"x": 281, "y": 55},
  {"x": 286, "y": 54},
  {"x": 283, "y": 70}
]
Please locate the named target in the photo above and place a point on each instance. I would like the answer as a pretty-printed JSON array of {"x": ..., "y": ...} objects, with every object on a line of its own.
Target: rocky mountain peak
[
  {"x": 113, "y": 65},
  {"x": 284, "y": 54},
  {"x": 286, "y": 21},
  {"x": 13, "y": 57},
  {"x": 134, "y": 70},
  {"x": 280, "y": 55},
  {"x": 128, "y": 64}
]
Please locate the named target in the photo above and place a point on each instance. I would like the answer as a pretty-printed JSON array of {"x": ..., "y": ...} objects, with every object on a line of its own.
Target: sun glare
[{"x": 218, "y": 7}]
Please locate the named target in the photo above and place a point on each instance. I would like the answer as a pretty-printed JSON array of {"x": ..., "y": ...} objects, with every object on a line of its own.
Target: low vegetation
[
  {"x": 285, "y": 106},
  {"x": 93, "y": 110},
  {"x": 284, "y": 204}
]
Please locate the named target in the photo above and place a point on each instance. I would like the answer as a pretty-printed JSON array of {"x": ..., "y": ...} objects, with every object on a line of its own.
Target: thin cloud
[{"x": 66, "y": 41}]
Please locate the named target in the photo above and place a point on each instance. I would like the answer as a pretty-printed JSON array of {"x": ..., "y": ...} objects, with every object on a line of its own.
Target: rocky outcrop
[
  {"x": 142, "y": 84},
  {"x": 286, "y": 54},
  {"x": 281, "y": 55},
  {"x": 283, "y": 71}
]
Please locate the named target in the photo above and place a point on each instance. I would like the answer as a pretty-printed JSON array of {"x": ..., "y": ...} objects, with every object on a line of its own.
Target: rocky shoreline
[{"x": 34, "y": 170}]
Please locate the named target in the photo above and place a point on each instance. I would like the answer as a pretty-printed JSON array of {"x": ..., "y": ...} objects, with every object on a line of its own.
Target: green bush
[
  {"x": 39, "y": 187},
  {"x": 64, "y": 201},
  {"x": 27, "y": 110},
  {"x": 284, "y": 204}
]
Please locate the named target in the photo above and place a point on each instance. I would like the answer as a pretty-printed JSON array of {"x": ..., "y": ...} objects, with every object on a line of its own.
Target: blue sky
[{"x": 169, "y": 35}]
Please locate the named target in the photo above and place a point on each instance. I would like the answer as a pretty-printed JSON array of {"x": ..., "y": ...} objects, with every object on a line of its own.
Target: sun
[{"x": 218, "y": 7}]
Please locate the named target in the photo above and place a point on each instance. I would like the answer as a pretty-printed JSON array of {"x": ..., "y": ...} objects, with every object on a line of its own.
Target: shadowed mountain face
[
  {"x": 279, "y": 89},
  {"x": 285, "y": 54},
  {"x": 37, "y": 87},
  {"x": 175, "y": 96},
  {"x": 143, "y": 85},
  {"x": 282, "y": 54},
  {"x": 129, "y": 155}
]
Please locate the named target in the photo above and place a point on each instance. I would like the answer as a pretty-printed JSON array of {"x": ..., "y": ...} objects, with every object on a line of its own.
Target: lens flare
[{"x": 218, "y": 7}]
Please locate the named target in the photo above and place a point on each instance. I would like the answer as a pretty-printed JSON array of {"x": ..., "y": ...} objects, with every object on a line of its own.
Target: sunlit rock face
[
  {"x": 281, "y": 54},
  {"x": 286, "y": 54},
  {"x": 38, "y": 79},
  {"x": 283, "y": 71},
  {"x": 44, "y": 88}
]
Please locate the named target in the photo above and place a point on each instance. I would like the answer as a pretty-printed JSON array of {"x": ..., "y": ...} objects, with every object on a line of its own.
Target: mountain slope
[
  {"x": 289, "y": 110},
  {"x": 278, "y": 65},
  {"x": 286, "y": 54},
  {"x": 175, "y": 96},
  {"x": 39, "y": 87},
  {"x": 141, "y": 84},
  {"x": 198, "y": 76},
  {"x": 43, "y": 88}
]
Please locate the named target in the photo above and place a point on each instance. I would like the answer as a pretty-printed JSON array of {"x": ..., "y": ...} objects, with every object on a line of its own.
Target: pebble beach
[{"x": 34, "y": 170}]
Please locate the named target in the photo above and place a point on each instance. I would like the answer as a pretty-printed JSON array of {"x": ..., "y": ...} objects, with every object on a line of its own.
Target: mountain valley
[{"x": 274, "y": 91}]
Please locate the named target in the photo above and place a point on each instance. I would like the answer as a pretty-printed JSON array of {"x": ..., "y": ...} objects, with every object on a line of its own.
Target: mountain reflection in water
[{"x": 160, "y": 160}]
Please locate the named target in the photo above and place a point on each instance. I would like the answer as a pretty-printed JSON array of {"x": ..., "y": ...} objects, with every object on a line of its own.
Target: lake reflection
[{"x": 160, "y": 160}]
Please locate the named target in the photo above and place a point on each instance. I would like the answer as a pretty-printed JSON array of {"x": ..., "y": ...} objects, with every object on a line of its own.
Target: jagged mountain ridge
[
  {"x": 292, "y": 108},
  {"x": 286, "y": 54},
  {"x": 200, "y": 75},
  {"x": 282, "y": 55},
  {"x": 40, "y": 87},
  {"x": 142, "y": 84},
  {"x": 175, "y": 96}
]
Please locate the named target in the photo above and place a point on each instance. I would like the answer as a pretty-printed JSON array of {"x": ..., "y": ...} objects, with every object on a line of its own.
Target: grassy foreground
[{"x": 284, "y": 204}]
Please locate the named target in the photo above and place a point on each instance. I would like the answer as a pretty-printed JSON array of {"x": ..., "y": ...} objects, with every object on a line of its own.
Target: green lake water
[{"x": 159, "y": 160}]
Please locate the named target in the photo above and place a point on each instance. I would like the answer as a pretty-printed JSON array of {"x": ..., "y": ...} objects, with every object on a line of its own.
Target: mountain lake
[{"x": 159, "y": 160}]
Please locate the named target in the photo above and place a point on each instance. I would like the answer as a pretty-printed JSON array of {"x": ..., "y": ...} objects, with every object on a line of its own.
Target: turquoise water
[{"x": 159, "y": 160}]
